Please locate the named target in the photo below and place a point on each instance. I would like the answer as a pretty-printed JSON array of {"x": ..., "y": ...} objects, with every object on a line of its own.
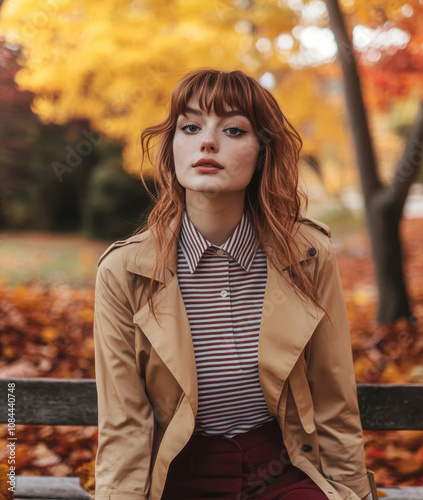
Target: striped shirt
[{"x": 223, "y": 290}]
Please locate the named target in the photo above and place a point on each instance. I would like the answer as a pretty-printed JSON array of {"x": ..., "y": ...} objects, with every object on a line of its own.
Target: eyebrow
[{"x": 235, "y": 112}]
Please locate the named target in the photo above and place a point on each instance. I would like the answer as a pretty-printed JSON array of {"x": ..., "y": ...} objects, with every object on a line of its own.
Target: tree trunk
[
  {"x": 383, "y": 218},
  {"x": 383, "y": 203}
]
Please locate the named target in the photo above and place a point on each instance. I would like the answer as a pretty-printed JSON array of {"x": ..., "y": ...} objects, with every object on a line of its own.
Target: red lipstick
[{"x": 208, "y": 165}]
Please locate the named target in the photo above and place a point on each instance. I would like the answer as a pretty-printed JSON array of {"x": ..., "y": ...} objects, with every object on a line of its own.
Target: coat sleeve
[
  {"x": 330, "y": 372},
  {"x": 125, "y": 416}
]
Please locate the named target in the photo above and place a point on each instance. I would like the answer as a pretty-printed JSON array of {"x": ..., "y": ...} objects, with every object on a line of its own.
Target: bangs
[{"x": 216, "y": 91}]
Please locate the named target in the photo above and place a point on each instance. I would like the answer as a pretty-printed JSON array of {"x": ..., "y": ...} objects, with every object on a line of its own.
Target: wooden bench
[{"x": 48, "y": 401}]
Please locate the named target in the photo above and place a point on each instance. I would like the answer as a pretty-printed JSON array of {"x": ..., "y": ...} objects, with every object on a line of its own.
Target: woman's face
[{"x": 204, "y": 141}]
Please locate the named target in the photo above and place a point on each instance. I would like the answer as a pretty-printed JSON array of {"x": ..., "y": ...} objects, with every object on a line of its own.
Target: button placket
[
  {"x": 225, "y": 292},
  {"x": 226, "y": 299}
]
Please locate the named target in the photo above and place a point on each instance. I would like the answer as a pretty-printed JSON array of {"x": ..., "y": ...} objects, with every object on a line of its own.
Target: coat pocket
[{"x": 300, "y": 389}]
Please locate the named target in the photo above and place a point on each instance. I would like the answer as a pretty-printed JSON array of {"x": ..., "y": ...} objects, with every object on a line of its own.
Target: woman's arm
[
  {"x": 125, "y": 417},
  {"x": 330, "y": 372}
]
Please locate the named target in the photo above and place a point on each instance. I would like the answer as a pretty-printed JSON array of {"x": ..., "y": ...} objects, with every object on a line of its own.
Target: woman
[{"x": 191, "y": 404}]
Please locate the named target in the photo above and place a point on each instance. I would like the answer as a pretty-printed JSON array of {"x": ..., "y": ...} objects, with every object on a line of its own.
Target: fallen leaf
[
  {"x": 5, "y": 492},
  {"x": 86, "y": 473}
]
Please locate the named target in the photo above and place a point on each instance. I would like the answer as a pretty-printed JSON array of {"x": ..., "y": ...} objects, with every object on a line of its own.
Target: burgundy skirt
[{"x": 251, "y": 465}]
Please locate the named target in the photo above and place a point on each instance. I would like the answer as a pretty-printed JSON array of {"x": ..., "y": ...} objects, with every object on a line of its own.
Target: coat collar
[
  {"x": 286, "y": 327},
  {"x": 142, "y": 263}
]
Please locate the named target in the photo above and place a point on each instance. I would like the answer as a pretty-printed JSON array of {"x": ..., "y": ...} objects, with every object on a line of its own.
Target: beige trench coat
[{"x": 147, "y": 382}]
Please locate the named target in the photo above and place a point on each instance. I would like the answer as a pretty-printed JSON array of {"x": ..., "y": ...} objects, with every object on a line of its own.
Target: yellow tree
[{"x": 116, "y": 62}]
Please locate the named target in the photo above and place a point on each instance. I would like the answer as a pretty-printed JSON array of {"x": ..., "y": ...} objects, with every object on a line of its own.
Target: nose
[{"x": 209, "y": 142}]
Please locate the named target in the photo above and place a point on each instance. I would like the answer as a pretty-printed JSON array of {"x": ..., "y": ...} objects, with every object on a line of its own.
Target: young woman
[{"x": 223, "y": 357}]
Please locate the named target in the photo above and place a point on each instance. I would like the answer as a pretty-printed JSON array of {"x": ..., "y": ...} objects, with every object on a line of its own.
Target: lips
[{"x": 208, "y": 162}]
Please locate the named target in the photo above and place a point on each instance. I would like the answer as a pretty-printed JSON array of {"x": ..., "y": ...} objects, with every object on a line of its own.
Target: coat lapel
[
  {"x": 287, "y": 324},
  {"x": 172, "y": 339},
  {"x": 170, "y": 333}
]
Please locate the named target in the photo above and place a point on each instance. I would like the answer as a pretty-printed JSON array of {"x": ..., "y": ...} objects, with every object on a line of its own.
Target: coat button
[
  {"x": 306, "y": 448},
  {"x": 312, "y": 251}
]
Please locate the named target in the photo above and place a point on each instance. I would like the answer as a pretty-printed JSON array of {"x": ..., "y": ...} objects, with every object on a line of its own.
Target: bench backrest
[{"x": 52, "y": 401}]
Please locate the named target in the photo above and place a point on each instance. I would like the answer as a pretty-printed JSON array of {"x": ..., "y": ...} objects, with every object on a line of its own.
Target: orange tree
[{"x": 384, "y": 202}]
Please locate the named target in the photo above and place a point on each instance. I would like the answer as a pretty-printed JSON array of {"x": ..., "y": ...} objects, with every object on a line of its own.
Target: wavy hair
[{"x": 272, "y": 200}]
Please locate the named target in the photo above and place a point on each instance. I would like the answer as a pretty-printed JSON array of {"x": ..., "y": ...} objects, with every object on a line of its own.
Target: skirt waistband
[{"x": 269, "y": 431}]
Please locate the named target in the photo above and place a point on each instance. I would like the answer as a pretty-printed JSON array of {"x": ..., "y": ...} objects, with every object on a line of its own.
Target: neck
[{"x": 215, "y": 218}]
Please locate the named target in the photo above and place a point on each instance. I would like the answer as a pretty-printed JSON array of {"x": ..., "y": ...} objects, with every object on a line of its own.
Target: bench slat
[
  {"x": 391, "y": 406},
  {"x": 52, "y": 401},
  {"x": 403, "y": 493},
  {"x": 49, "y": 487}
]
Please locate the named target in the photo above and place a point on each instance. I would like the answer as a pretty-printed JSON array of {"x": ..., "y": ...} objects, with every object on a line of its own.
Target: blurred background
[{"x": 78, "y": 83}]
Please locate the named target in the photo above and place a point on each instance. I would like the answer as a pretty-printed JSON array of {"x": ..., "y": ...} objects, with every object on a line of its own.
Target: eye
[
  {"x": 235, "y": 131},
  {"x": 188, "y": 128}
]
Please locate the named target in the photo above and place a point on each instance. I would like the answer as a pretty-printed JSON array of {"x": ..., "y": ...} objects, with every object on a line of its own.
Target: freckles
[
  {"x": 238, "y": 169},
  {"x": 252, "y": 148},
  {"x": 249, "y": 157},
  {"x": 179, "y": 147}
]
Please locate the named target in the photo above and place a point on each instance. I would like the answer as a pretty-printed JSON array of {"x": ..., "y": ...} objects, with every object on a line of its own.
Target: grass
[
  {"x": 52, "y": 259},
  {"x": 49, "y": 259}
]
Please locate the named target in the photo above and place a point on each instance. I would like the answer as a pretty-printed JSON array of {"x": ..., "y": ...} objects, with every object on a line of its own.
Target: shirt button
[
  {"x": 223, "y": 293},
  {"x": 312, "y": 251},
  {"x": 220, "y": 251}
]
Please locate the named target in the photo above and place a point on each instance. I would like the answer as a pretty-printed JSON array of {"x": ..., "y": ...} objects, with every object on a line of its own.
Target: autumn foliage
[{"x": 47, "y": 332}]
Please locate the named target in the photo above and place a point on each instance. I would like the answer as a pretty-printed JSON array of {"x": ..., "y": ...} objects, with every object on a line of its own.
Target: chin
[{"x": 207, "y": 184}]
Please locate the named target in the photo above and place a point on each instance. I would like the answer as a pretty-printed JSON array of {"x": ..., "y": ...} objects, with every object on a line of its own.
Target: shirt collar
[{"x": 241, "y": 245}]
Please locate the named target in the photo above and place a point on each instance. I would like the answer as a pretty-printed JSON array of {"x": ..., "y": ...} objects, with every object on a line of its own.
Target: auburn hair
[{"x": 272, "y": 200}]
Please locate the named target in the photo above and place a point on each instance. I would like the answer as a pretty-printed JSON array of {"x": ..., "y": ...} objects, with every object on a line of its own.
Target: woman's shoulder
[
  {"x": 313, "y": 224},
  {"x": 116, "y": 252},
  {"x": 314, "y": 236}
]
